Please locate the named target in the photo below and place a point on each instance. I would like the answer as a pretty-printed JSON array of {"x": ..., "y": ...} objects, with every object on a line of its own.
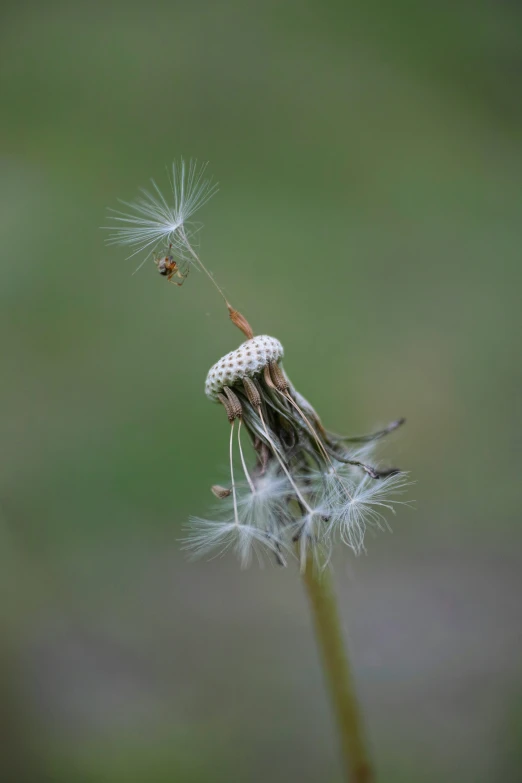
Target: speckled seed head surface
[{"x": 246, "y": 361}]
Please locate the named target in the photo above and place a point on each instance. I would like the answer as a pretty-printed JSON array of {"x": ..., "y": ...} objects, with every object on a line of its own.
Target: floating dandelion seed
[
  {"x": 262, "y": 516},
  {"x": 164, "y": 229},
  {"x": 155, "y": 223}
]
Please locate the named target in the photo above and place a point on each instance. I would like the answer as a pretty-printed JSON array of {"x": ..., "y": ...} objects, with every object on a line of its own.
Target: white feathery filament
[
  {"x": 200, "y": 262},
  {"x": 245, "y": 470},
  {"x": 317, "y": 440},
  {"x": 289, "y": 477},
  {"x": 234, "y": 497}
]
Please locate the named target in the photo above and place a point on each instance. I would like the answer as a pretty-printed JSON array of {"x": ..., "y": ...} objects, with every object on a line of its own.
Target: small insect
[{"x": 168, "y": 267}]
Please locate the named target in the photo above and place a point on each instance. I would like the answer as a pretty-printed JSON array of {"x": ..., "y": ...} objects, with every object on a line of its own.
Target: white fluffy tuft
[
  {"x": 206, "y": 536},
  {"x": 263, "y": 518},
  {"x": 153, "y": 220},
  {"x": 354, "y": 505}
]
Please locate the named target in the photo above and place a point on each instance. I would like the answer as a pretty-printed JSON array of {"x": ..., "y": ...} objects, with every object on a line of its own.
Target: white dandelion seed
[
  {"x": 351, "y": 515},
  {"x": 154, "y": 221},
  {"x": 206, "y": 536},
  {"x": 265, "y": 507},
  {"x": 254, "y": 516}
]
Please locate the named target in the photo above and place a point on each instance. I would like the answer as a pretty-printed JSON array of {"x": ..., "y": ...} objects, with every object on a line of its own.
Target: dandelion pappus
[{"x": 168, "y": 267}]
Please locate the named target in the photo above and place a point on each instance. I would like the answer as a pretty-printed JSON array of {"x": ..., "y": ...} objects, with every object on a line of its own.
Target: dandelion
[
  {"x": 328, "y": 492},
  {"x": 308, "y": 488}
]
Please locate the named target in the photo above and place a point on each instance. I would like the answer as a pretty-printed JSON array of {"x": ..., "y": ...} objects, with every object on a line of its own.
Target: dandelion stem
[{"x": 319, "y": 588}]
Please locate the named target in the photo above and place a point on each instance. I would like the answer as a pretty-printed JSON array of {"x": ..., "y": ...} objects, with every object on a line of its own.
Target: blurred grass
[{"x": 369, "y": 216}]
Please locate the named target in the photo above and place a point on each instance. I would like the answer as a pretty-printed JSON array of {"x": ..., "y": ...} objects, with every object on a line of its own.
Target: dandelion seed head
[
  {"x": 247, "y": 361},
  {"x": 310, "y": 488}
]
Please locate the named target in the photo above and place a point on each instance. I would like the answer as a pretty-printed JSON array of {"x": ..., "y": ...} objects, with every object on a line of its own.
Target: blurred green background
[{"x": 370, "y": 164}]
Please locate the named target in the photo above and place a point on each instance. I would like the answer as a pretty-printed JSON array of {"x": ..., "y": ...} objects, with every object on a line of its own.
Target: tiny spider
[{"x": 167, "y": 267}]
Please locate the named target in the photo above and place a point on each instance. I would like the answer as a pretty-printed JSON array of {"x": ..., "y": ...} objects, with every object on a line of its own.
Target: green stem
[{"x": 338, "y": 675}]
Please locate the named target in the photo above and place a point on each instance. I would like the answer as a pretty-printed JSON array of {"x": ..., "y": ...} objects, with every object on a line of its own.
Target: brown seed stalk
[{"x": 240, "y": 321}]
